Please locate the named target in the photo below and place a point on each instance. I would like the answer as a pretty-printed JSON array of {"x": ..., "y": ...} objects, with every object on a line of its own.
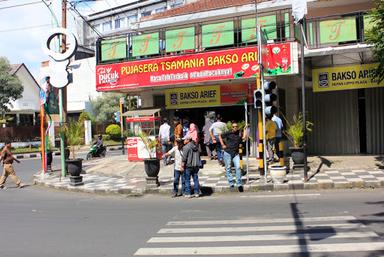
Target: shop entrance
[{"x": 197, "y": 115}]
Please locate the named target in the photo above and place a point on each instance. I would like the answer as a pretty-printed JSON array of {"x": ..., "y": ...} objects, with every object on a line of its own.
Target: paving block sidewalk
[{"x": 117, "y": 175}]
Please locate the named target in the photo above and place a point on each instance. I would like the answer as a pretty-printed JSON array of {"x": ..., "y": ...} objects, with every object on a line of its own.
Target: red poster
[
  {"x": 208, "y": 66},
  {"x": 132, "y": 149}
]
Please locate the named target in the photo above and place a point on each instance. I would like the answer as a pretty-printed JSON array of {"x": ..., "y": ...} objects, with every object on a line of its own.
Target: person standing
[
  {"x": 8, "y": 170},
  {"x": 217, "y": 128},
  {"x": 207, "y": 138},
  {"x": 178, "y": 130},
  {"x": 177, "y": 150},
  {"x": 185, "y": 126},
  {"x": 191, "y": 164},
  {"x": 194, "y": 133},
  {"x": 270, "y": 134},
  {"x": 164, "y": 137},
  {"x": 279, "y": 134},
  {"x": 231, "y": 142}
]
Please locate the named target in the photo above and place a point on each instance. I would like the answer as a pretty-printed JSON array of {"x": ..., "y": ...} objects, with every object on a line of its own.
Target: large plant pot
[
  {"x": 297, "y": 155},
  {"x": 278, "y": 173},
  {"x": 152, "y": 167},
  {"x": 74, "y": 167}
]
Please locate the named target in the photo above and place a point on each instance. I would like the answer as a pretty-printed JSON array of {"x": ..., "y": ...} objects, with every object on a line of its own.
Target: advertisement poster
[
  {"x": 238, "y": 63},
  {"x": 205, "y": 96},
  {"x": 344, "y": 78}
]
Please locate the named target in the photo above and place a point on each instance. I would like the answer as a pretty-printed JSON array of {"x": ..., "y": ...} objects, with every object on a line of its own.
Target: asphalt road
[{"x": 41, "y": 222}]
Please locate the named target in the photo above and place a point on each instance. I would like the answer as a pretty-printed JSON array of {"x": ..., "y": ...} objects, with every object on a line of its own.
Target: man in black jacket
[
  {"x": 191, "y": 164},
  {"x": 230, "y": 142}
]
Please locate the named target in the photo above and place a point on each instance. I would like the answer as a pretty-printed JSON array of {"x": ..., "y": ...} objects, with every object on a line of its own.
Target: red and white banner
[{"x": 208, "y": 66}]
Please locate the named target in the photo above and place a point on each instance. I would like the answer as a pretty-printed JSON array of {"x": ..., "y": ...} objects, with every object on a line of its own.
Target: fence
[{"x": 20, "y": 133}]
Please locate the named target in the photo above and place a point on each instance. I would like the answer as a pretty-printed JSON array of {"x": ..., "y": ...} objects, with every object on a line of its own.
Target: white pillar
[
  {"x": 51, "y": 133},
  {"x": 88, "y": 132}
]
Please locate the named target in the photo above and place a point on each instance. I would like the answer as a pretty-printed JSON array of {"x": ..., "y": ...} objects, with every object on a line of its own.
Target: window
[
  {"x": 177, "y": 3},
  {"x": 107, "y": 26},
  {"x": 132, "y": 19},
  {"x": 119, "y": 23},
  {"x": 162, "y": 9},
  {"x": 146, "y": 13}
]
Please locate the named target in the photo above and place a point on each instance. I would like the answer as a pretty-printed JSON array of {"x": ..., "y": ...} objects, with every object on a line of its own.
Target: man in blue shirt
[{"x": 279, "y": 128}]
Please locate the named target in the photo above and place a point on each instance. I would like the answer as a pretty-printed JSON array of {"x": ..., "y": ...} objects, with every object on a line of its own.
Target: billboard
[{"x": 226, "y": 64}]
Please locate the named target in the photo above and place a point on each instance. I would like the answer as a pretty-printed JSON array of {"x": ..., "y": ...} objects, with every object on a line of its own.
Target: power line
[
  {"x": 19, "y": 5},
  {"x": 73, "y": 8},
  {"x": 25, "y": 28}
]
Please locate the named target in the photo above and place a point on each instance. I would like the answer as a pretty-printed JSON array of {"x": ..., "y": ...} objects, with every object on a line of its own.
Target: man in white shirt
[
  {"x": 164, "y": 133},
  {"x": 217, "y": 128},
  {"x": 279, "y": 128}
]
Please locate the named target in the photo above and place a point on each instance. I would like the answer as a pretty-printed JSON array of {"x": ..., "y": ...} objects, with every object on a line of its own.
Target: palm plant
[
  {"x": 74, "y": 132},
  {"x": 149, "y": 144},
  {"x": 295, "y": 129}
]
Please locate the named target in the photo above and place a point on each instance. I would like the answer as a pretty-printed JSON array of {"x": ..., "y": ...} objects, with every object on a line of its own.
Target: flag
[{"x": 299, "y": 10}]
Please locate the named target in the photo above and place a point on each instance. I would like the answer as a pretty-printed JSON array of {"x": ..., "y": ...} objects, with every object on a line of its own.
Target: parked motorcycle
[{"x": 96, "y": 152}]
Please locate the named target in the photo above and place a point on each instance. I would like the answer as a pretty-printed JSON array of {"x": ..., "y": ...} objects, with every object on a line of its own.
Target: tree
[
  {"x": 105, "y": 106},
  {"x": 375, "y": 36},
  {"x": 11, "y": 88}
]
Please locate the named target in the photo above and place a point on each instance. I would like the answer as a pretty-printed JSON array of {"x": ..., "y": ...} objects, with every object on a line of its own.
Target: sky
[{"x": 24, "y": 28}]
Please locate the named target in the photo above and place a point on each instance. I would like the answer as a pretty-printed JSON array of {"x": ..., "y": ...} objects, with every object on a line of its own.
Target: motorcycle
[{"x": 96, "y": 152}]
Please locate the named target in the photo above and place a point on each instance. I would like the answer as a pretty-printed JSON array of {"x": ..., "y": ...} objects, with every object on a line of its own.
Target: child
[{"x": 178, "y": 152}]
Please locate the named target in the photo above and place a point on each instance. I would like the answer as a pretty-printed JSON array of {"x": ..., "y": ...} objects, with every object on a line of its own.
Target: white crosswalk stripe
[{"x": 258, "y": 237}]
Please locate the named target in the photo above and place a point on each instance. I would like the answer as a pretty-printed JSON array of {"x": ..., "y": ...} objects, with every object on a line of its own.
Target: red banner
[
  {"x": 208, "y": 66},
  {"x": 142, "y": 119}
]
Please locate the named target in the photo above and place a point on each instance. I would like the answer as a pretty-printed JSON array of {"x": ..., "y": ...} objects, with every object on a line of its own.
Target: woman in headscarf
[{"x": 193, "y": 132}]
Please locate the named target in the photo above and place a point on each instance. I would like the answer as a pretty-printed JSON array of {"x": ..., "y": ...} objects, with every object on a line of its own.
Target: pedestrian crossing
[{"x": 258, "y": 237}]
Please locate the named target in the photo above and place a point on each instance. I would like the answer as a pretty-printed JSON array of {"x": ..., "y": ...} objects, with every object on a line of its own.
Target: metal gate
[
  {"x": 336, "y": 122},
  {"x": 374, "y": 99}
]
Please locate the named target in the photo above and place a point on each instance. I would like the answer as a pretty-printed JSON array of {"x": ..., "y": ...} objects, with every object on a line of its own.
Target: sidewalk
[{"x": 116, "y": 175}]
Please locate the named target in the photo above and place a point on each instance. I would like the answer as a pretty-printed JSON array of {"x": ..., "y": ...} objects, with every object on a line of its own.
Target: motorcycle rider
[{"x": 99, "y": 144}]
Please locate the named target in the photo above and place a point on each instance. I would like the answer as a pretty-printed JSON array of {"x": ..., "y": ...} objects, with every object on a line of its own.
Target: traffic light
[
  {"x": 269, "y": 98},
  {"x": 258, "y": 98},
  {"x": 116, "y": 116}
]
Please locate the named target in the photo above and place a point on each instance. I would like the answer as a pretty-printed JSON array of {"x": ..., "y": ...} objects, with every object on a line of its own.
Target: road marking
[
  {"x": 238, "y": 238},
  {"x": 279, "y": 196},
  {"x": 268, "y": 249},
  {"x": 263, "y": 228},
  {"x": 260, "y": 221}
]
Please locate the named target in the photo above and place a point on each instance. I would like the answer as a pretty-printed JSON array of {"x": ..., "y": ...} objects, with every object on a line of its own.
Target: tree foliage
[
  {"x": 105, "y": 106},
  {"x": 113, "y": 131},
  {"x": 11, "y": 88},
  {"x": 375, "y": 36}
]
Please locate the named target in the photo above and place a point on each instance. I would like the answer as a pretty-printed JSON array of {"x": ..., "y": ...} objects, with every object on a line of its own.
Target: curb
[{"x": 287, "y": 186}]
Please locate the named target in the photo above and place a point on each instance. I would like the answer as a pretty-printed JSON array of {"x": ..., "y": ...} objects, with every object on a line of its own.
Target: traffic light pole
[
  {"x": 303, "y": 103},
  {"x": 261, "y": 69}
]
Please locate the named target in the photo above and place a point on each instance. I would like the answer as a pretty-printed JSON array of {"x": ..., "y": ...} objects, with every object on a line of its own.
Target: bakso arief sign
[
  {"x": 208, "y": 66},
  {"x": 345, "y": 77}
]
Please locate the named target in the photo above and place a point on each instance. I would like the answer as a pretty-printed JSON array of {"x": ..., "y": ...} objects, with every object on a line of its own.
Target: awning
[{"x": 141, "y": 112}]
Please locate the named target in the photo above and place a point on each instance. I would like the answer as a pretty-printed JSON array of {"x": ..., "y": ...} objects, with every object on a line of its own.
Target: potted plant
[
  {"x": 295, "y": 133},
  {"x": 74, "y": 132},
  {"x": 151, "y": 164}
]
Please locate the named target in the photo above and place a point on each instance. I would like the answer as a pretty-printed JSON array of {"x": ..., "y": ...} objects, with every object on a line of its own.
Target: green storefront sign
[
  {"x": 113, "y": 49},
  {"x": 268, "y": 27},
  {"x": 145, "y": 44},
  {"x": 341, "y": 30},
  {"x": 180, "y": 39},
  {"x": 218, "y": 34}
]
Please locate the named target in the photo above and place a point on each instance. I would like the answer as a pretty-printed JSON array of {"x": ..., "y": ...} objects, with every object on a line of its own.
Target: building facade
[{"x": 200, "y": 58}]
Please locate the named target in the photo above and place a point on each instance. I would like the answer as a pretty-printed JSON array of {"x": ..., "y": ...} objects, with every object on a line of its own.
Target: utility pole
[{"x": 63, "y": 92}]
